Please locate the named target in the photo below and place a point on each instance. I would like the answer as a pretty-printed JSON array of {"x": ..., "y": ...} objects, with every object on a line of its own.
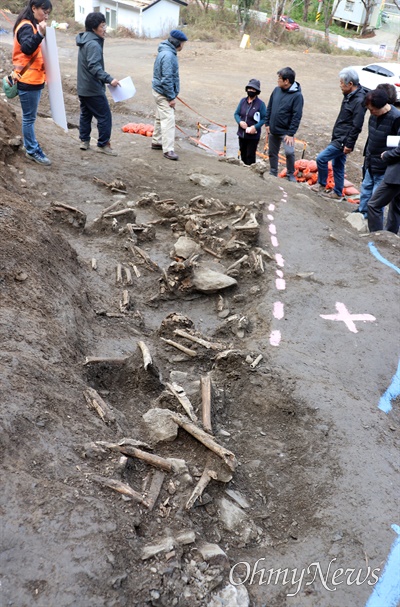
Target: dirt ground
[{"x": 317, "y": 462}]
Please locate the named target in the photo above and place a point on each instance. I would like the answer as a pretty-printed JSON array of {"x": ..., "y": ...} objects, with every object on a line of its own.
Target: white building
[
  {"x": 352, "y": 12},
  {"x": 150, "y": 18}
]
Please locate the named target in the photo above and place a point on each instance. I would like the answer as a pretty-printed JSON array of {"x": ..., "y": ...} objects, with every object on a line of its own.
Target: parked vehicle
[
  {"x": 376, "y": 73},
  {"x": 287, "y": 22}
]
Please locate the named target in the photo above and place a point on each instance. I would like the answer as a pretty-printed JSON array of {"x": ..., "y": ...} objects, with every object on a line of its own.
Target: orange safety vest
[{"x": 35, "y": 73}]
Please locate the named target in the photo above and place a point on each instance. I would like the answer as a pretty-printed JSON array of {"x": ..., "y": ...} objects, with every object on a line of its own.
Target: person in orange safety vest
[{"x": 29, "y": 32}]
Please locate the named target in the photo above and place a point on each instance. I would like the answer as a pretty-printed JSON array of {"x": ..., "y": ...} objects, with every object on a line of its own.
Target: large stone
[
  {"x": 230, "y": 596},
  {"x": 213, "y": 554},
  {"x": 185, "y": 247},
  {"x": 160, "y": 424},
  {"x": 358, "y": 221},
  {"x": 204, "y": 180},
  {"x": 208, "y": 281},
  {"x": 230, "y": 515}
]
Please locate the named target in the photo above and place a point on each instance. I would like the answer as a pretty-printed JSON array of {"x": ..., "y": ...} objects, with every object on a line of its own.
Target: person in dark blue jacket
[
  {"x": 250, "y": 115},
  {"x": 165, "y": 91},
  {"x": 91, "y": 81},
  {"x": 284, "y": 112}
]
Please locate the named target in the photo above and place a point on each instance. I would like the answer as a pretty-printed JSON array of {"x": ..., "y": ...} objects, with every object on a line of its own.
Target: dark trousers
[
  {"x": 385, "y": 193},
  {"x": 95, "y": 107},
  {"x": 248, "y": 148},
  {"x": 274, "y": 144}
]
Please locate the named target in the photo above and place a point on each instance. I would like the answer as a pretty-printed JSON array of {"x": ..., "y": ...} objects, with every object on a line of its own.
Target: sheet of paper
[
  {"x": 125, "y": 91},
  {"x": 392, "y": 141}
]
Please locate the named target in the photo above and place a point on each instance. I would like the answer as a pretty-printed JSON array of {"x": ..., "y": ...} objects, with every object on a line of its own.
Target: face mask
[{"x": 251, "y": 94}]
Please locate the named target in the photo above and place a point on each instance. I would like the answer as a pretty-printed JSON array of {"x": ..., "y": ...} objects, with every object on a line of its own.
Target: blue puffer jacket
[{"x": 166, "y": 71}]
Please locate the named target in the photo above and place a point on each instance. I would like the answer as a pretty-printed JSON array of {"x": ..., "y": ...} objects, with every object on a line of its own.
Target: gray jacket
[
  {"x": 91, "y": 74},
  {"x": 166, "y": 71}
]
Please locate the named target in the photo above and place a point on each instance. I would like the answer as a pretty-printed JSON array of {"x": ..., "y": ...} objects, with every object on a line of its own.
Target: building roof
[{"x": 144, "y": 5}]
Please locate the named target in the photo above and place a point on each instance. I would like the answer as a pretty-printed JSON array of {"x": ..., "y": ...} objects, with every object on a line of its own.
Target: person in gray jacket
[
  {"x": 165, "y": 91},
  {"x": 388, "y": 192},
  {"x": 91, "y": 82}
]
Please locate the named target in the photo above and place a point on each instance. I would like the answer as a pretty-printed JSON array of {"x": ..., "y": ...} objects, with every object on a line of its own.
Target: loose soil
[{"x": 317, "y": 461}]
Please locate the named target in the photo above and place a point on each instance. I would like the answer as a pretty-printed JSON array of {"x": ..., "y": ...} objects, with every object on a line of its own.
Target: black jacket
[
  {"x": 392, "y": 158},
  {"x": 379, "y": 127},
  {"x": 284, "y": 111},
  {"x": 350, "y": 120},
  {"x": 91, "y": 74}
]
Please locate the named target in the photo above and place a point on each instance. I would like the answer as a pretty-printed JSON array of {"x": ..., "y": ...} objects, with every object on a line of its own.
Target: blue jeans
[
  {"x": 98, "y": 108},
  {"x": 29, "y": 104},
  {"x": 368, "y": 187},
  {"x": 338, "y": 163}
]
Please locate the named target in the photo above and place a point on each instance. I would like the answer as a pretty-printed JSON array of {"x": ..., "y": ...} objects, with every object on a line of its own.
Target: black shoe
[
  {"x": 156, "y": 146},
  {"x": 171, "y": 155}
]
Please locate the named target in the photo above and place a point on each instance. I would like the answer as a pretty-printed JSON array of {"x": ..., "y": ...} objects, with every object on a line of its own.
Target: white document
[
  {"x": 53, "y": 78},
  {"x": 392, "y": 141},
  {"x": 125, "y": 91}
]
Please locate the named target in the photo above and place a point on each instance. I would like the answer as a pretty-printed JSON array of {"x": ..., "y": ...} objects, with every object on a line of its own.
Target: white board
[{"x": 53, "y": 78}]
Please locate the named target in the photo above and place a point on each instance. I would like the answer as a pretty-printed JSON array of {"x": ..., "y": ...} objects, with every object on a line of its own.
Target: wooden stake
[
  {"x": 180, "y": 395},
  {"x": 206, "y": 402},
  {"x": 147, "y": 360},
  {"x": 175, "y": 344},
  {"x": 155, "y": 488},
  {"x": 204, "y": 438},
  {"x": 94, "y": 401},
  {"x": 121, "y": 488}
]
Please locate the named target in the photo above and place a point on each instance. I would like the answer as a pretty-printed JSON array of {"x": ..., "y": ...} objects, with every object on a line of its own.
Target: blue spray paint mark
[
  {"x": 380, "y": 257},
  {"x": 391, "y": 393},
  {"x": 386, "y": 592}
]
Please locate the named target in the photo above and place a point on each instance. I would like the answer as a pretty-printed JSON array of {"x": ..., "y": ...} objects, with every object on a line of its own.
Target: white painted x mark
[{"x": 348, "y": 319}]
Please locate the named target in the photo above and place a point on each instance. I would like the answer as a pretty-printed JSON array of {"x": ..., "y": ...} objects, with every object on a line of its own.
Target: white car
[{"x": 377, "y": 73}]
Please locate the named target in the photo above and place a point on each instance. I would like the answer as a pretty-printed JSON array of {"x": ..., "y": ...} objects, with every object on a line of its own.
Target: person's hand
[
  {"x": 347, "y": 150},
  {"x": 289, "y": 140},
  {"x": 115, "y": 82},
  {"x": 172, "y": 103},
  {"x": 243, "y": 124},
  {"x": 42, "y": 27},
  {"x": 267, "y": 130},
  {"x": 251, "y": 130}
]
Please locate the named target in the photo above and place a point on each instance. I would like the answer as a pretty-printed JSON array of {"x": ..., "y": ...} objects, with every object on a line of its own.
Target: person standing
[
  {"x": 29, "y": 32},
  {"x": 387, "y": 193},
  {"x": 91, "y": 82},
  {"x": 345, "y": 132},
  {"x": 250, "y": 115},
  {"x": 384, "y": 120},
  {"x": 284, "y": 112},
  {"x": 165, "y": 91}
]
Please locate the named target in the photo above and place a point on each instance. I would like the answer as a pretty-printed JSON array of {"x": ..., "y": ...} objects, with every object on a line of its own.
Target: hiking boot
[
  {"x": 156, "y": 146},
  {"x": 106, "y": 149},
  {"x": 85, "y": 145},
  {"x": 291, "y": 178},
  {"x": 332, "y": 196},
  {"x": 171, "y": 155},
  {"x": 318, "y": 187},
  {"x": 39, "y": 157}
]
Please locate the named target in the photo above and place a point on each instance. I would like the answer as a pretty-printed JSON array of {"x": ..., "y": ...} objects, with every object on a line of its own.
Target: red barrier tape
[{"x": 223, "y": 126}]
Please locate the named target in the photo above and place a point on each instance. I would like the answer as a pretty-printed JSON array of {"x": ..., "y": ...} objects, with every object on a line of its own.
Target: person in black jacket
[
  {"x": 284, "y": 112},
  {"x": 91, "y": 82},
  {"x": 388, "y": 192},
  {"x": 345, "y": 132},
  {"x": 250, "y": 115},
  {"x": 384, "y": 121}
]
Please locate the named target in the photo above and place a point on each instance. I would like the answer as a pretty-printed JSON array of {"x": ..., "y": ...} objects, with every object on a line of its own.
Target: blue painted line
[
  {"x": 393, "y": 391},
  {"x": 380, "y": 257},
  {"x": 386, "y": 592}
]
